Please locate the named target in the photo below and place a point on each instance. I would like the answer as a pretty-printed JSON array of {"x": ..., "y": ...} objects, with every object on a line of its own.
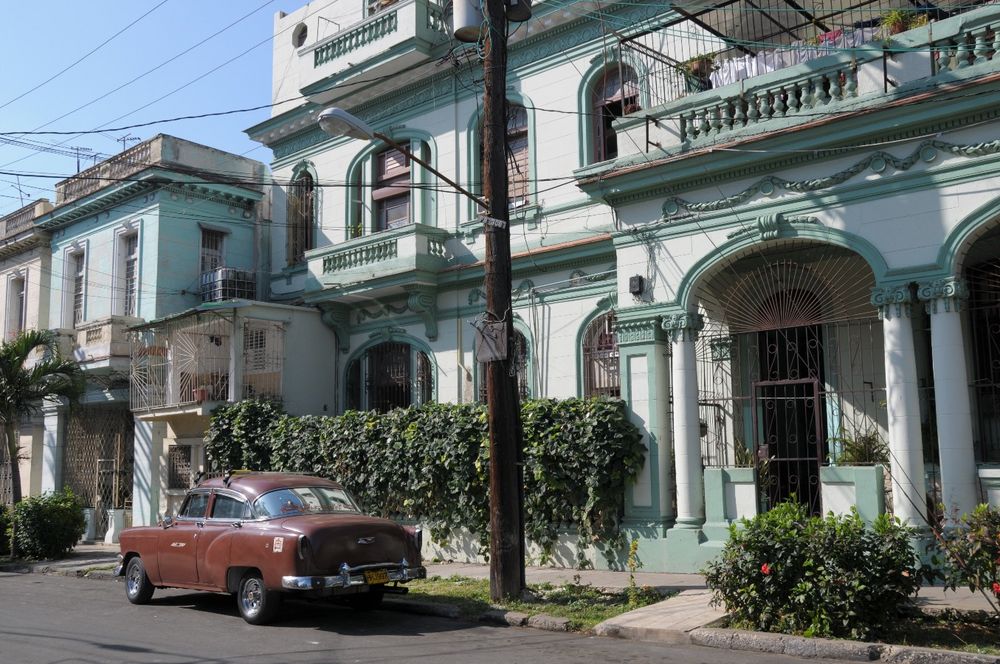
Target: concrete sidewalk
[{"x": 685, "y": 617}]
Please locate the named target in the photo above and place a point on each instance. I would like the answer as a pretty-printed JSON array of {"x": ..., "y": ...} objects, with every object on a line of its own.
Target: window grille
[
  {"x": 600, "y": 358},
  {"x": 79, "y": 276},
  {"x": 301, "y": 217},
  {"x": 263, "y": 359},
  {"x": 389, "y": 375},
  {"x": 392, "y": 190},
  {"x": 211, "y": 249},
  {"x": 131, "y": 274},
  {"x": 179, "y": 467}
]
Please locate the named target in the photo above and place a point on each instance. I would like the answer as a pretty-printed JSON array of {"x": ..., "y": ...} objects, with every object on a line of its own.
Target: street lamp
[{"x": 338, "y": 122}]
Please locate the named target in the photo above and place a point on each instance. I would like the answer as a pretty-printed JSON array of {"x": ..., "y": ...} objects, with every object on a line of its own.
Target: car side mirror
[{"x": 167, "y": 521}]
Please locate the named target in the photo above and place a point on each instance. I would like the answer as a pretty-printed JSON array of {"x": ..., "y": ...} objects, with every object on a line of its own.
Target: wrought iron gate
[
  {"x": 984, "y": 318},
  {"x": 789, "y": 442},
  {"x": 97, "y": 464}
]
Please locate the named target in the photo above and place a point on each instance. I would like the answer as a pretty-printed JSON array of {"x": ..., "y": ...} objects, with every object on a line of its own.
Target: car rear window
[{"x": 304, "y": 500}]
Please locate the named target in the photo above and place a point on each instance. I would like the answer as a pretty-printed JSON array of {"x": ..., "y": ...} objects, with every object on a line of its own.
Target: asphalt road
[{"x": 66, "y": 620}]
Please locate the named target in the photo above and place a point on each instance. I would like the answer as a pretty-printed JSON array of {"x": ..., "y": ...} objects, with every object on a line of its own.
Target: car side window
[
  {"x": 227, "y": 507},
  {"x": 194, "y": 507}
]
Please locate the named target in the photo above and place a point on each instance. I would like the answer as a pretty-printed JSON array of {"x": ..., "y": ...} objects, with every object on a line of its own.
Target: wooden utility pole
[{"x": 506, "y": 528}]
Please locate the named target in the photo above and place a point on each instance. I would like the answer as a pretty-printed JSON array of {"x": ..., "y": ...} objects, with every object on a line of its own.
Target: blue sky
[{"x": 43, "y": 37}]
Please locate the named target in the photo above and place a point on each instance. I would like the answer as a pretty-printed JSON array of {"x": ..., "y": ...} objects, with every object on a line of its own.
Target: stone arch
[
  {"x": 391, "y": 335},
  {"x": 599, "y": 66},
  {"x": 961, "y": 239}
]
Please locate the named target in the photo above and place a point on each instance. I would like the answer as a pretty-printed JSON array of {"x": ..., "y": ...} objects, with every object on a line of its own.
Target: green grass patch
[{"x": 584, "y": 605}]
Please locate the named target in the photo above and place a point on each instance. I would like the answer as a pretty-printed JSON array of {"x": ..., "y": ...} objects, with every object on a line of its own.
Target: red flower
[
  {"x": 765, "y": 569},
  {"x": 996, "y": 589}
]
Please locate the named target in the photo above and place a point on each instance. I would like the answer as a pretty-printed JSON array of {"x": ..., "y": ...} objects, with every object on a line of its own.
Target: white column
[
  {"x": 53, "y": 444},
  {"x": 959, "y": 479},
  {"x": 687, "y": 432},
  {"x": 903, "y": 405},
  {"x": 148, "y": 445}
]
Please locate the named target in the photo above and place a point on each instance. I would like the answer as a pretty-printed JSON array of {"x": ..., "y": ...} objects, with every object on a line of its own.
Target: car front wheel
[
  {"x": 138, "y": 588},
  {"x": 257, "y": 604}
]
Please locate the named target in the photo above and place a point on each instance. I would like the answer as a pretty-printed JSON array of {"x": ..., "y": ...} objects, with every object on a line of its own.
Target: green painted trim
[
  {"x": 956, "y": 245},
  {"x": 601, "y": 63},
  {"x": 648, "y": 351},
  {"x": 820, "y": 234},
  {"x": 363, "y": 164}
]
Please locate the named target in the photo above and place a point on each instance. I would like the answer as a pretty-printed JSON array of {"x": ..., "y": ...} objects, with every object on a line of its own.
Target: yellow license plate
[{"x": 374, "y": 577}]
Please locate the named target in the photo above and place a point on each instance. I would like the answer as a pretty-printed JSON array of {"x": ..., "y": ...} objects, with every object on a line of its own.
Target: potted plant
[
  {"x": 698, "y": 70},
  {"x": 895, "y": 21}
]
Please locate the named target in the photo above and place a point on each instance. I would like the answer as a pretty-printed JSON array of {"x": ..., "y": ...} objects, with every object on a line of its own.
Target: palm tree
[{"x": 24, "y": 385}]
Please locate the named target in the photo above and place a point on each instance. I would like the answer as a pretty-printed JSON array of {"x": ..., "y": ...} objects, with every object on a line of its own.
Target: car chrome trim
[{"x": 396, "y": 573}]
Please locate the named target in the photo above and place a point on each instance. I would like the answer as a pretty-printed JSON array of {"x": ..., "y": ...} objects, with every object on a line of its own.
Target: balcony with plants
[{"x": 730, "y": 70}]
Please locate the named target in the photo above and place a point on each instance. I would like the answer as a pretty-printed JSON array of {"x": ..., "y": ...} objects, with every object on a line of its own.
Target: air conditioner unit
[{"x": 226, "y": 283}]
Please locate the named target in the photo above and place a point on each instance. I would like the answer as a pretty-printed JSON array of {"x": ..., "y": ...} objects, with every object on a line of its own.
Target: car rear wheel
[
  {"x": 366, "y": 601},
  {"x": 138, "y": 588},
  {"x": 257, "y": 604}
]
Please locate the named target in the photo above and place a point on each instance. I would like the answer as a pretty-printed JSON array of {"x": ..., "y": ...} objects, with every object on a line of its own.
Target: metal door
[{"x": 788, "y": 431}]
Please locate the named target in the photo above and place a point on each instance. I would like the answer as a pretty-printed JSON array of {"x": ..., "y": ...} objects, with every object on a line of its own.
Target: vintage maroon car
[{"x": 259, "y": 535}]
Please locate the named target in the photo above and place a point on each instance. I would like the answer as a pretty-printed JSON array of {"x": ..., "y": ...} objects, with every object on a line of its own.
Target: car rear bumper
[{"x": 349, "y": 578}]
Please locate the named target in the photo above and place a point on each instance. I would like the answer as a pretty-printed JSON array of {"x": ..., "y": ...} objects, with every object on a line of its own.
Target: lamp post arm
[{"x": 409, "y": 153}]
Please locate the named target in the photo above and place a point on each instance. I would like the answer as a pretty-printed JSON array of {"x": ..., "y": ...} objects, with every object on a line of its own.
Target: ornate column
[
  {"x": 902, "y": 403},
  {"x": 683, "y": 329},
  {"x": 644, "y": 360},
  {"x": 959, "y": 481}
]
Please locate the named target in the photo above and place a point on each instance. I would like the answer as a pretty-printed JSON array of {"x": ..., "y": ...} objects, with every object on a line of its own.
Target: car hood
[{"x": 352, "y": 538}]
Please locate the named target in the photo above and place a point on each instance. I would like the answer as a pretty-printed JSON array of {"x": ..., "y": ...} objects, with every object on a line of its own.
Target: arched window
[
  {"x": 600, "y": 358},
  {"x": 301, "y": 217},
  {"x": 521, "y": 356},
  {"x": 518, "y": 160},
  {"x": 614, "y": 95},
  {"x": 388, "y": 190},
  {"x": 390, "y": 375}
]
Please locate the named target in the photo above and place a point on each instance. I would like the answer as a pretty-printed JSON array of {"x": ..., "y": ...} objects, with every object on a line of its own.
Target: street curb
[{"x": 854, "y": 651}]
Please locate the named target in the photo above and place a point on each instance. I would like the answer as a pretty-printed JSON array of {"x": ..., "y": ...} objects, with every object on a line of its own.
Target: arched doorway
[{"x": 790, "y": 365}]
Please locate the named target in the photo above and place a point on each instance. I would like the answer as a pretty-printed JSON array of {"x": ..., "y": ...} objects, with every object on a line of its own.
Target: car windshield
[{"x": 304, "y": 500}]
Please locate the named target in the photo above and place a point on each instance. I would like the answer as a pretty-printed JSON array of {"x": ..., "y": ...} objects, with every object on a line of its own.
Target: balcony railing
[
  {"x": 726, "y": 43},
  {"x": 21, "y": 220},
  {"x": 954, "y": 47},
  {"x": 107, "y": 172},
  {"x": 400, "y": 250},
  {"x": 100, "y": 340}
]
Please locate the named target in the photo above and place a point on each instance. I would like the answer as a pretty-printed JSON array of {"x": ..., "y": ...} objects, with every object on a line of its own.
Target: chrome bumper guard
[
  {"x": 350, "y": 576},
  {"x": 120, "y": 566}
]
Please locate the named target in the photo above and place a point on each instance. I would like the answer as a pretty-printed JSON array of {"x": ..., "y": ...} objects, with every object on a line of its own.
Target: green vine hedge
[{"x": 431, "y": 462}]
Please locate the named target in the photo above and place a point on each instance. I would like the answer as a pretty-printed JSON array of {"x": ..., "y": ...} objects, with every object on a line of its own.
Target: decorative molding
[
  {"x": 769, "y": 226},
  {"x": 925, "y": 152},
  {"x": 950, "y": 291},
  {"x": 383, "y": 310},
  {"x": 423, "y": 302},
  {"x": 338, "y": 319},
  {"x": 684, "y": 326},
  {"x": 721, "y": 349},
  {"x": 386, "y": 333},
  {"x": 892, "y": 300},
  {"x": 525, "y": 287},
  {"x": 639, "y": 331}
]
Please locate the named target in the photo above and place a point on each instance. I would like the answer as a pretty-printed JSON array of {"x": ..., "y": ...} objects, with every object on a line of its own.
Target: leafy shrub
[
  {"x": 968, "y": 554},
  {"x": 4, "y": 530},
  {"x": 238, "y": 434},
  {"x": 785, "y": 571},
  {"x": 431, "y": 462},
  {"x": 48, "y": 526}
]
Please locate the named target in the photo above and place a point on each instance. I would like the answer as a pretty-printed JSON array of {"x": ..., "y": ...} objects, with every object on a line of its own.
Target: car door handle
[{"x": 201, "y": 524}]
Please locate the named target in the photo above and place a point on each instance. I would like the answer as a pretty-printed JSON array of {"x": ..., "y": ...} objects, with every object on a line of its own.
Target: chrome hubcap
[
  {"x": 251, "y": 596},
  {"x": 134, "y": 580}
]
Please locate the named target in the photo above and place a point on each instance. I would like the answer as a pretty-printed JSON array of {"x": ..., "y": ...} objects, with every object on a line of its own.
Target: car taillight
[{"x": 416, "y": 536}]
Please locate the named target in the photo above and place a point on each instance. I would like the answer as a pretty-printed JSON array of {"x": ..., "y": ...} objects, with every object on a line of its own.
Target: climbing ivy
[{"x": 431, "y": 462}]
